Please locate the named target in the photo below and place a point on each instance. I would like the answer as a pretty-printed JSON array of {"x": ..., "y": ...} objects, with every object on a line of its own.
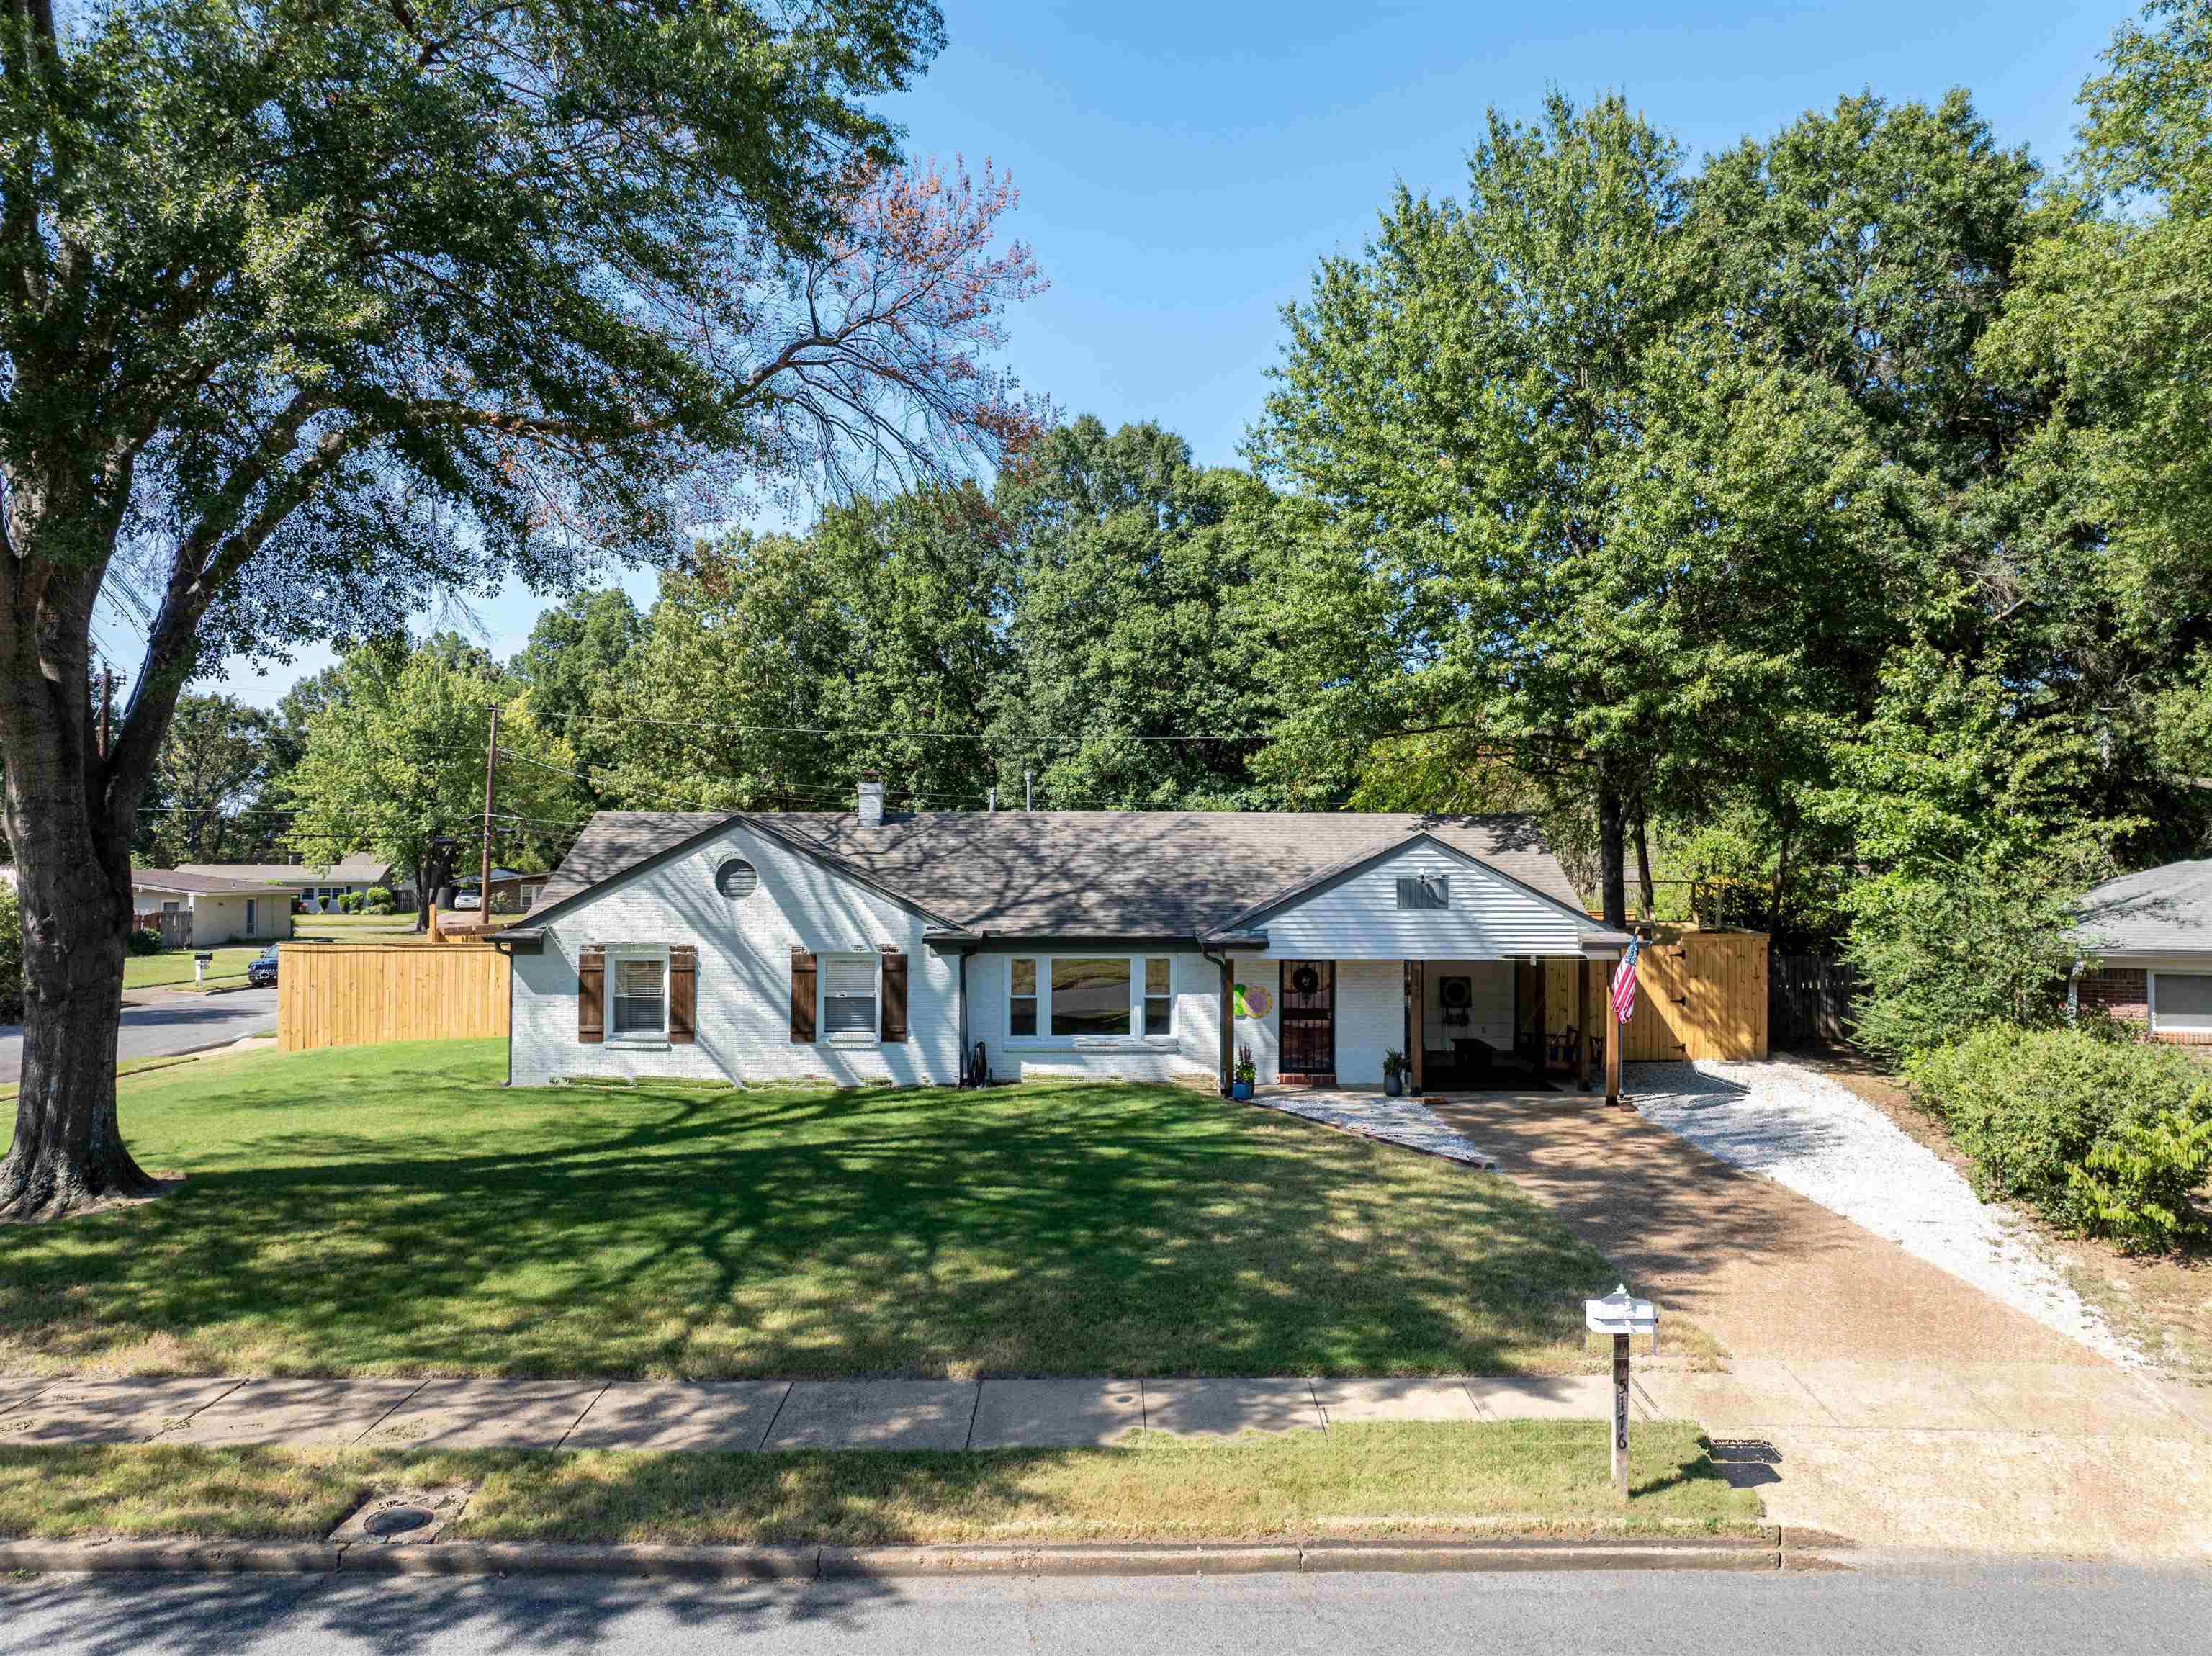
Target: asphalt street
[
  {"x": 1956, "y": 1609},
  {"x": 182, "y": 1023}
]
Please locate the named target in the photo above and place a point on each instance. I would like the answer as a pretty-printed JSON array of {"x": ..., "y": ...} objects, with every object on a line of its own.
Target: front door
[{"x": 1309, "y": 1022}]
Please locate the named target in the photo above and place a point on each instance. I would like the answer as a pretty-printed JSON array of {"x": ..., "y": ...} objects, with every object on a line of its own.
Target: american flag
[{"x": 1623, "y": 983}]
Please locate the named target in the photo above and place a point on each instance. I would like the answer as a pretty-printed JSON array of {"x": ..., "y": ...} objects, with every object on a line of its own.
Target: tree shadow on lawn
[{"x": 640, "y": 1231}]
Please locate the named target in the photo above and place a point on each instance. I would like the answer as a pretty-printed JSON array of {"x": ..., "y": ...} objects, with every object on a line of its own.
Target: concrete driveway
[
  {"x": 1902, "y": 1406},
  {"x": 174, "y": 1024}
]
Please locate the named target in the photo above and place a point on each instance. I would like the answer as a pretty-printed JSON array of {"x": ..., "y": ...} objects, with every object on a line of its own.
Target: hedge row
[{"x": 2106, "y": 1135}]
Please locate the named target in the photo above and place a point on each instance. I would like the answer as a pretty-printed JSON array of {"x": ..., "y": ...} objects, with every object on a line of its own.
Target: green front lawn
[
  {"x": 395, "y": 1210},
  {"x": 1517, "y": 1477},
  {"x": 174, "y": 966}
]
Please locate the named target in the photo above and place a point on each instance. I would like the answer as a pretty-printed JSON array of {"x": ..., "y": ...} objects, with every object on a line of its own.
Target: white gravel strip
[{"x": 1815, "y": 1137}]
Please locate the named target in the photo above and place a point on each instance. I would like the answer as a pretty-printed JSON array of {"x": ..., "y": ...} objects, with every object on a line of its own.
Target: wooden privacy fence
[
  {"x": 1699, "y": 994},
  {"x": 1812, "y": 998},
  {"x": 351, "y": 994}
]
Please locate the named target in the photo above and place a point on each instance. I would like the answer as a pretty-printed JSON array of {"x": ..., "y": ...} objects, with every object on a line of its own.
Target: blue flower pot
[{"x": 1240, "y": 1090}]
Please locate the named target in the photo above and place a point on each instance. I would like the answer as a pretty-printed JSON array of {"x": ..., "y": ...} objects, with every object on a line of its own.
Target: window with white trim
[
  {"x": 2181, "y": 1003},
  {"x": 637, "y": 994},
  {"x": 849, "y": 1000},
  {"x": 1089, "y": 997},
  {"x": 1159, "y": 996}
]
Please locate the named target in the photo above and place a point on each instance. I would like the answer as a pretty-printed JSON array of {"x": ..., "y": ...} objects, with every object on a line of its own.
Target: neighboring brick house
[
  {"x": 2150, "y": 934},
  {"x": 867, "y": 945}
]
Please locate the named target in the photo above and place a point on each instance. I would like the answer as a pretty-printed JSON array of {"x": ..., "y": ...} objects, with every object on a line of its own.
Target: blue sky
[{"x": 1183, "y": 167}]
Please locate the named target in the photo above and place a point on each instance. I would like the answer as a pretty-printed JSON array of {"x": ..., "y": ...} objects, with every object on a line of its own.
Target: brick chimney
[{"x": 871, "y": 799}]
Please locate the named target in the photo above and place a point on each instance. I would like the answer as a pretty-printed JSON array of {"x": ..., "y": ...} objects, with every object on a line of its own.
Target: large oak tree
[{"x": 309, "y": 308}]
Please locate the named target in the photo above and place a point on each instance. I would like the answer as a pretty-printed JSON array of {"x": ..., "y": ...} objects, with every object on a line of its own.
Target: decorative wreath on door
[{"x": 1305, "y": 980}]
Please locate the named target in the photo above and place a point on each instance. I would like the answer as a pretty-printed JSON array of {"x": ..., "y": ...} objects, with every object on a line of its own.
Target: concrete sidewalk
[{"x": 751, "y": 1415}]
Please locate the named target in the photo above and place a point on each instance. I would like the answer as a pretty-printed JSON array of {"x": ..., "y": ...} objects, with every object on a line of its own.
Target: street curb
[{"x": 850, "y": 1563}]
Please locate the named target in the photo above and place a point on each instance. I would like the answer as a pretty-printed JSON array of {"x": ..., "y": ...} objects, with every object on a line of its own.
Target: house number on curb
[{"x": 1621, "y": 1316}]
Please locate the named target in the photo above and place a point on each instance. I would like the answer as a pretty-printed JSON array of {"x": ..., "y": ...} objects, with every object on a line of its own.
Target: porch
[{"x": 1525, "y": 1024}]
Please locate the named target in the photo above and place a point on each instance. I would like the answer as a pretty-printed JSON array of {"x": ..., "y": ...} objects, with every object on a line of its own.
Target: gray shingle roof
[
  {"x": 204, "y": 885},
  {"x": 1074, "y": 873},
  {"x": 2160, "y": 910},
  {"x": 354, "y": 867}
]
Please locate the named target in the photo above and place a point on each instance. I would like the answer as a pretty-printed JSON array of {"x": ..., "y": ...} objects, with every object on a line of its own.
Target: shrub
[
  {"x": 1940, "y": 957},
  {"x": 2069, "y": 1120},
  {"x": 350, "y": 903},
  {"x": 143, "y": 940},
  {"x": 378, "y": 900},
  {"x": 2136, "y": 1183}
]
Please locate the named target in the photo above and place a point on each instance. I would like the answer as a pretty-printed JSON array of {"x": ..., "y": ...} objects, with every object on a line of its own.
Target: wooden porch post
[
  {"x": 1582, "y": 1024},
  {"x": 1228, "y": 1023},
  {"x": 1543, "y": 1018},
  {"x": 1615, "y": 1032},
  {"x": 1417, "y": 1006}
]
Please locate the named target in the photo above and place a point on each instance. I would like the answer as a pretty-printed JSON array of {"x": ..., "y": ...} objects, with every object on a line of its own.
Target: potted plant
[
  {"x": 1242, "y": 1076},
  {"x": 1393, "y": 1074}
]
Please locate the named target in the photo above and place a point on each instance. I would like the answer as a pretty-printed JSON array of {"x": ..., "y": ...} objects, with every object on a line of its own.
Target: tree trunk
[
  {"x": 422, "y": 895},
  {"x": 1780, "y": 881},
  {"x": 1612, "y": 854},
  {"x": 75, "y": 896},
  {"x": 1643, "y": 862}
]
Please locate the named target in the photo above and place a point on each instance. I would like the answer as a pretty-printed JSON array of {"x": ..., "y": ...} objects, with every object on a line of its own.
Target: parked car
[{"x": 261, "y": 970}]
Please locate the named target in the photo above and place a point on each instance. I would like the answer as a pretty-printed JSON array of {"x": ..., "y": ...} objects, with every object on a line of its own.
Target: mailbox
[{"x": 1621, "y": 1314}]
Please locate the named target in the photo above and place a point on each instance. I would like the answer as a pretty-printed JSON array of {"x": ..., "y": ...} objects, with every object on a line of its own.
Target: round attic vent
[{"x": 737, "y": 879}]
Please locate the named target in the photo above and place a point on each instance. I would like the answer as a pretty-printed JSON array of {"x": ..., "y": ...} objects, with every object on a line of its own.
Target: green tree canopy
[
  {"x": 1558, "y": 507},
  {"x": 1141, "y": 678},
  {"x": 779, "y": 667},
  {"x": 394, "y": 763},
  {"x": 315, "y": 308}
]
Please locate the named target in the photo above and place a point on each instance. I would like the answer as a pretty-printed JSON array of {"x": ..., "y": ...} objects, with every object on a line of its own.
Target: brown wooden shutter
[
  {"x": 894, "y": 997},
  {"x": 802, "y": 996},
  {"x": 592, "y": 995},
  {"x": 683, "y": 993}
]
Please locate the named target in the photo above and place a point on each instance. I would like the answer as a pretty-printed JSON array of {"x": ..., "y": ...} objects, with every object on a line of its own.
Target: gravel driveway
[{"x": 1813, "y": 1137}]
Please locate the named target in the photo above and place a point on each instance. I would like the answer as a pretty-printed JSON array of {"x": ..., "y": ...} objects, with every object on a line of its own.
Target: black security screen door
[{"x": 1308, "y": 1019}]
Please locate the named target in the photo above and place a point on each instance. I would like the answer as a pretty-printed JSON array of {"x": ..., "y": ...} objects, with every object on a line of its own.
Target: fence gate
[
  {"x": 1698, "y": 995},
  {"x": 1811, "y": 998}
]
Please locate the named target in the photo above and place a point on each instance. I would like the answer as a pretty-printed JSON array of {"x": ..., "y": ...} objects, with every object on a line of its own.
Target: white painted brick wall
[
  {"x": 1264, "y": 1035},
  {"x": 744, "y": 1009}
]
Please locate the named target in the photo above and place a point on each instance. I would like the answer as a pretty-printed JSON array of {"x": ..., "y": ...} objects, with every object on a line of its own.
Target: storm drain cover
[{"x": 399, "y": 1521}]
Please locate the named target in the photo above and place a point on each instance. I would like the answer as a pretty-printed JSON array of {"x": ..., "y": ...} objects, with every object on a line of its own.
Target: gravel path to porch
[
  {"x": 1377, "y": 1115},
  {"x": 1806, "y": 1133}
]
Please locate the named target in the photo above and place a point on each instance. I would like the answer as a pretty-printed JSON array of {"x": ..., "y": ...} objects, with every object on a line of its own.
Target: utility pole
[
  {"x": 1027, "y": 804},
  {"x": 106, "y": 704},
  {"x": 484, "y": 877}
]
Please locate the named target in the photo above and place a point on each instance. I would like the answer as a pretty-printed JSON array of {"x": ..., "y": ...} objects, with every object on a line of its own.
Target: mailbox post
[
  {"x": 201, "y": 962},
  {"x": 1621, "y": 1316}
]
